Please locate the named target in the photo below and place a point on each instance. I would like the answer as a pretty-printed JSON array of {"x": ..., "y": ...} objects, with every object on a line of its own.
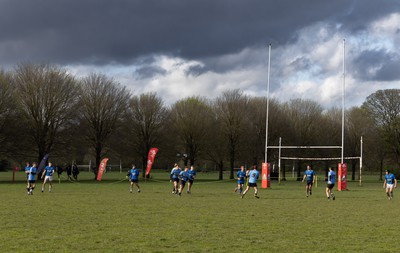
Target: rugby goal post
[{"x": 280, "y": 157}]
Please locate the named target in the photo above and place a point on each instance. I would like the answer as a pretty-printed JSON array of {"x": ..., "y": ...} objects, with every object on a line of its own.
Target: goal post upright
[
  {"x": 267, "y": 113},
  {"x": 265, "y": 171}
]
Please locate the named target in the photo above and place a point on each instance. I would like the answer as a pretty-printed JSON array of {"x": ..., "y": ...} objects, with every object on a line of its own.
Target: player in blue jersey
[
  {"x": 31, "y": 179},
  {"x": 183, "y": 178},
  {"x": 309, "y": 175},
  {"x": 252, "y": 176},
  {"x": 241, "y": 175},
  {"x": 192, "y": 175},
  {"x": 27, "y": 169},
  {"x": 390, "y": 183},
  {"x": 330, "y": 183},
  {"x": 174, "y": 177},
  {"x": 133, "y": 175},
  {"x": 48, "y": 173}
]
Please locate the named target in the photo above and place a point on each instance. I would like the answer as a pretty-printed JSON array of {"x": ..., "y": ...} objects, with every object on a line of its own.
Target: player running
[
  {"x": 174, "y": 177},
  {"x": 183, "y": 178},
  {"x": 241, "y": 175},
  {"x": 133, "y": 175},
  {"x": 192, "y": 175},
  {"x": 48, "y": 171},
  {"x": 252, "y": 176},
  {"x": 31, "y": 179},
  {"x": 27, "y": 169},
  {"x": 309, "y": 174},
  {"x": 330, "y": 183},
  {"x": 390, "y": 183}
]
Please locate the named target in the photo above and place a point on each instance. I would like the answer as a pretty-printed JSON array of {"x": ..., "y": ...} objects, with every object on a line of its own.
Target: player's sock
[{"x": 138, "y": 190}]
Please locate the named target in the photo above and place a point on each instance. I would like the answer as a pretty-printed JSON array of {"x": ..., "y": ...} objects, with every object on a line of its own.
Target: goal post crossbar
[
  {"x": 320, "y": 158},
  {"x": 342, "y": 158},
  {"x": 310, "y": 147}
]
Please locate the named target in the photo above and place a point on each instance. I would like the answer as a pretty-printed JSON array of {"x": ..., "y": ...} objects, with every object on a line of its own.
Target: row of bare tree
[{"x": 44, "y": 109}]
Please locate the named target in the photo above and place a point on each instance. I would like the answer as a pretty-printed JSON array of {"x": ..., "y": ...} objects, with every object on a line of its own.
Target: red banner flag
[
  {"x": 150, "y": 159},
  {"x": 102, "y": 168}
]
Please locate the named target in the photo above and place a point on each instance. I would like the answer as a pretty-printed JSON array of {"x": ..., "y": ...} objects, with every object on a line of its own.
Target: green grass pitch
[{"x": 89, "y": 216}]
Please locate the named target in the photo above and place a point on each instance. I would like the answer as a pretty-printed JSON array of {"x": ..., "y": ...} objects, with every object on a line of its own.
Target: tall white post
[
  {"x": 343, "y": 96},
  {"x": 361, "y": 158},
  {"x": 266, "y": 123},
  {"x": 279, "y": 161}
]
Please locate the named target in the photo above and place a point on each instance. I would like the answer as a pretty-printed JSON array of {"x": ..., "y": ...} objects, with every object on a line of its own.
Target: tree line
[{"x": 46, "y": 110}]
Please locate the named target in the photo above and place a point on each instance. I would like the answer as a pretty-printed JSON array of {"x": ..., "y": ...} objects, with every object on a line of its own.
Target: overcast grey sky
[{"x": 181, "y": 48}]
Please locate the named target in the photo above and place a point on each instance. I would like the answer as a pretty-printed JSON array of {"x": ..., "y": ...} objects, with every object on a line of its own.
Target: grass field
[{"x": 89, "y": 216}]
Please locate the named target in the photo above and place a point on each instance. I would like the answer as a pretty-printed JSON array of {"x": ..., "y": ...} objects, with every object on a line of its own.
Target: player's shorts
[
  {"x": 134, "y": 180},
  {"x": 175, "y": 179},
  {"x": 389, "y": 186},
  {"x": 310, "y": 183},
  {"x": 182, "y": 183},
  {"x": 191, "y": 181},
  {"x": 240, "y": 181},
  {"x": 253, "y": 184},
  {"x": 330, "y": 186},
  {"x": 31, "y": 181},
  {"x": 48, "y": 178}
]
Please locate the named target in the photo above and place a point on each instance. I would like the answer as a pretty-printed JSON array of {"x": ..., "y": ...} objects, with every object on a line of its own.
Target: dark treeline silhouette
[{"x": 44, "y": 109}]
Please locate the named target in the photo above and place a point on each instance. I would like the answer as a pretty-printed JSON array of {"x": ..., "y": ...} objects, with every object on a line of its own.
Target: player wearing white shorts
[
  {"x": 390, "y": 183},
  {"x": 48, "y": 173}
]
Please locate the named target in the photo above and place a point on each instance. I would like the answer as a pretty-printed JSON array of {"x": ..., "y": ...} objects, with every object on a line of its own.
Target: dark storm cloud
[
  {"x": 103, "y": 31},
  {"x": 148, "y": 71},
  {"x": 377, "y": 65}
]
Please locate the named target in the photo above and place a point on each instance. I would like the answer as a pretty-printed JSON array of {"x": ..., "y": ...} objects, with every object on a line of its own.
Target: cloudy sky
[{"x": 181, "y": 48}]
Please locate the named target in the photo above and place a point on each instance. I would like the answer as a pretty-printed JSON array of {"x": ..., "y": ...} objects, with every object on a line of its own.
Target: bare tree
[
  {"x": 147, "y": 115},
  {"x": 304, "y": 117},
  {"x": 383, "y": 107},
  {"x": 103, "y": 104},
  {"x": 6, "y": 102},
  {"x": 215, "y": 150},
  {"x": 47, "y": 98},
  {"x": 231, "y": 108},
  {"x": 191, "y": 119}
]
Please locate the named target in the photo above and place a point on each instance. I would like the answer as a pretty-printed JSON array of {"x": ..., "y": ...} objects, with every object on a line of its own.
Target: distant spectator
[
  {"x": 94, "y": 169},
  {"x": 69, "y": 172},
  {"x": 75, "y": 171},
  {"x": 59, "y": 171}
]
